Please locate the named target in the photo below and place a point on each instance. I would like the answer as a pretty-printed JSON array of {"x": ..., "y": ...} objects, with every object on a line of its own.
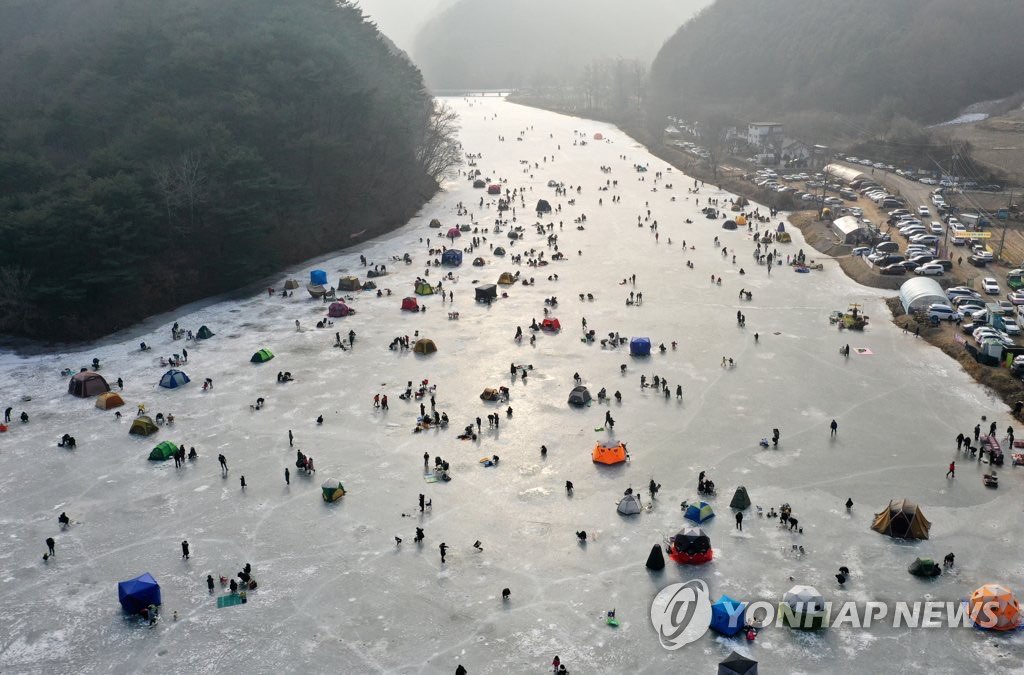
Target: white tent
[
  {"x": 919, "y": 292},
  {"x": 630, "y": 505}
]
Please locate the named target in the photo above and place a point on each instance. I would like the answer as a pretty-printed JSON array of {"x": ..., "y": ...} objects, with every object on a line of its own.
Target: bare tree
[
  {"x": 440, "y": 152},
  {"x": 16, "y": 307}
]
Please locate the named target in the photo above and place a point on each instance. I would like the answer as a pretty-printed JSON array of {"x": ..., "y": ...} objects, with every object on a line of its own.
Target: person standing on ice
[
  {"x": 50, "y": 544},
  {"x": 952, "y": 470},
  {"x": 419, "y": 535},
  {"x": 287, "y": 476},
  {"x": 834, "y": 427},
  {"x": 291, "y": 438},
  {"x": 444, "y": 551},
  {"x": 184, "y": 549},
  {"x": 223, "y": 463}
]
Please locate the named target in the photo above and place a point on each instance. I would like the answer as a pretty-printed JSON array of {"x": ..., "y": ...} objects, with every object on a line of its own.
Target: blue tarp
[
  {"x": 640, "y": 346},
  {"x": 451, "y": 257},
  {"x": 318, "y": 278},
  {"x": 727, "y": 615},
  {"x": 173, "y": 379},
  {"x": 138, "y": 593}
]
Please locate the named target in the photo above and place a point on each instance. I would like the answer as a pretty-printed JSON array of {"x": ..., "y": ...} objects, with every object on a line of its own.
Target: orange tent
[
  {"x": 110, "y": 399},
  {"x": 610, "y": 455},
  {"x": 994, "y": 607}
]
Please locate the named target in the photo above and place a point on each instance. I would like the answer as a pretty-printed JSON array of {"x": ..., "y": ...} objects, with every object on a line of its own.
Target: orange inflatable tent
[
  {"x": 994, "y": 607},
  {"x": 610, "y": 455}
]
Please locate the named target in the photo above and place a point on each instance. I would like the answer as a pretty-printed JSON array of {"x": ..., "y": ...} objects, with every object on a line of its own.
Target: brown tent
[
  {"x": 109, "y": 400},
  {"x": 349, "y": 284},
  {"x": 902, "y": 519},
  {"x": 87, "y": 383},
  {"x": 424, "y": 346}
]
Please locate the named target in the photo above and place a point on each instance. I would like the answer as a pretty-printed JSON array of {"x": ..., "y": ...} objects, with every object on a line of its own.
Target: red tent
[
  {"x": 454, "y": 232},
  {"x": 410, "y": 305},
  {"x": 338, "y": 309},
  {"x": 599, "y": 136},
  {"x": 494, "y": 189},
  {"x": 550, "y": 324}
]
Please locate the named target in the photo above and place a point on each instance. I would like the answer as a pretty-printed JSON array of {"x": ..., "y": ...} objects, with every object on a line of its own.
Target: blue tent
[
  {"x": 138, "y": 593},
  {"x": 173, "y": 379},
  {"x": 699, "y": 513},
  {"x": 727, "y": 615},
  {"x": 318, "y": 278},
  {"x": 640, "y": 346},
  {"x": 451, "y": 258}
]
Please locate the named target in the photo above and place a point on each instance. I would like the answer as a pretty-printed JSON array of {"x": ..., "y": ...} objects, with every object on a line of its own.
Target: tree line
[{"x": 153, "y": 153}]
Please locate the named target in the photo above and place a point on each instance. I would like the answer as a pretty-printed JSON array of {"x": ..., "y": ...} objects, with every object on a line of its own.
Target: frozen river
[{"x": 337, "y": 594}]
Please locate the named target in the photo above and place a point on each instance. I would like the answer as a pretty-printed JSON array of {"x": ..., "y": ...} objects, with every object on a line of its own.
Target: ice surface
[{"x": 337, "y": 594}]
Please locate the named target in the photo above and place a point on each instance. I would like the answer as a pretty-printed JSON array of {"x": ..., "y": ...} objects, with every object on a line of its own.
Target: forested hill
[
  {"x": 155, "y": 152},
  {"x": 540, "y": 42},
  {"x": 923, "y": 59}
]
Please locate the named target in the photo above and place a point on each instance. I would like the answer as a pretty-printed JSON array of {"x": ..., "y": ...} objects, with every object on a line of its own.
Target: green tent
[
  {"x": 143, "y": 426},
  {"x": 740, "y": 500},
  {"x": 423, "y": 288},
  {"x": 204, "y": 333},
  {"x": 924, "y": 567},
  {"x": 163, "y": 452},
  {"x": 262, "y": 356}
]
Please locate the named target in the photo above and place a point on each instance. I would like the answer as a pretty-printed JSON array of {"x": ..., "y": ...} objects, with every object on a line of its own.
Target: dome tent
[
  {"x": 490, "y": 394},
  {"x": 163, "y": 452},
  {"x": 699, "y": 513},
  {"x": 902, "y": 519},
  {"x": 479, "y": 262},
  {"x": 737, "y": 664},
  {"x": 924, "y": 567},
  {"x": 453, "y": 232},
  {"x": 262, "y": 356},
  {"x": 424, "y": 346},
  {"x": 740, "y": 499},
  {"x": 479, "y": 183},
  {"x": 729, "y": 225},
  {"x": 87, "y": 383},
  {"x": 506, "y": 279},
  {"x": 143, "y": 426},
  {"x": 349, "y": 283},
  {"x": 499, "y": 251},
  {"x": 338, "y": 310},
  {"x": 609, "y": 454},
  {"x": 691, "y": 546},
  {"x": 332, "y": 490},
  {"x": 803, "y": 607},
  {"x": 173, "y": 379},
  {"x": 424, "y": 288},
  {"x": 727, "y": 615},
  {"x": 108, "y": 400},
  {"x": 435, "y": 223},
  {"x": 138, "y": 593},
  {"x": 579, "y": 396},
  {"x": 369, "y": 285},
  {"x": 629, "y": 505},
  {"x": 543, "y": 206},
  {"x": 640, "y": 346},
  {"x": 205, "y": 333},
  {"x": 994, "y": 607},
  {"x": 551, "y": 324}
]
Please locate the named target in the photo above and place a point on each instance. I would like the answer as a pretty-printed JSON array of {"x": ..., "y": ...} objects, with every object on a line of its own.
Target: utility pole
[{"x": 1006, "y": 222}]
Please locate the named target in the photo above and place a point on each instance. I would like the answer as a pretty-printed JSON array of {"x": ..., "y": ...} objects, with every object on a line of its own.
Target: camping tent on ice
[
  {"x": 924, "y": 567},
  {"x": 543, "y": 206},
  {"x": 262, "y": 356},
  {"x": 729, "y": 225},
  {"x": 424, "y": 346},
  {"x": 486, "y": 293},
  {"x": 451, "y": 258},
  {"x": 87, "y": 383},
  {"x": 410, "y": 305},
  {"x": 173, "y": 379},
  {"x": 579, "y": 396},
  {"x": 498, "y": 251},
  {"x": 902, "y": 519},
  {"x": 506, "y": 279},
  {"x": 629, "y": 505},
  {"x": 479, "y": 183},
  {"x": 110, "y": 399},
  {"x": 737, "y": 664},
  {"x": 550, "y": 324},
  {"x": 740, "y": 499},
  {"x": 489, "y": 394},
  {"x": 291, "y": 284},
  {"x": 338, "y": 310},
  {"x": 691, "y": 546},
  {"x": 479, "y": 262},
  {"x": 656, "y": 559},
  {"x": 143, "y": 426},
  {"x": 315, "y": 290},
  {"x": 163, "y": 452},
  {"x": 204, "y": 333},
  {"x": 494, "y": 189},
  {"x": 369, "y": 285},
  {"x": 424, "y": 288},
  {"x": 640, "y": 346},
  {"x": 333, "y": 490},
  {"x": 453, "y": 232},
  {"x": 803, "y": 607},
  {"x": 138, "y": 593},
  {"x": 349, "y": 283},
  {"x": 318, "y": 278},
  {"x": 435, "y": 223},
  {"x": 598, "y": 136},
  {"x": 994, "y": 607},
  {"x": 699, "y": 513},
  {"x": 605, "y": 454},
  {"x": 727, "y": 615}
]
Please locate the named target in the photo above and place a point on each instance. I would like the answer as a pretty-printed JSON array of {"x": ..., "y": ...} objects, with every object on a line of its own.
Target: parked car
[
  {"x": 927, "y": 239},
  {"x": 990, "y": 286},
  {"x": 1016, "y": 297},
  {"x": 943, "y": 312},
  {"x": 923, "y": 211},
  {"x": 861, "y": 251},
  {"x": 896, "y": 269},
  {"x": 929, "y": 270}
]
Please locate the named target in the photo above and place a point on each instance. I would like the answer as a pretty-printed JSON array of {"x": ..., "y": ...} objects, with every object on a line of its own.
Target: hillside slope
[
  {"x": 923, "y": 59},
  {"x": 487, "y": 44}
]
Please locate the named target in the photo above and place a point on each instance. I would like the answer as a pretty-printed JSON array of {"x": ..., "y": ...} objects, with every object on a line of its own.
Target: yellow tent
[
  {"x": 506, "y": 279},
  {"x": 902, "y": 519},
  {"x": 741, "y": 220},
  {"x": 110, "y": 399}
]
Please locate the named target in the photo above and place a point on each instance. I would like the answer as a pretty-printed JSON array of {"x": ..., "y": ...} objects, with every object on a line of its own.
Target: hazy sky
[{"x": 400, "y": 20}]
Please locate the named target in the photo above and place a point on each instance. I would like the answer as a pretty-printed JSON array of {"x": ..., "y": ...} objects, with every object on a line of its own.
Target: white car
[
  {"x": 926, "y": 239},
  {"x": 930, "y": 270},
  {"x": 923, "y": 211},
  {"x": 962, "y": 290},
  {"x": 1017, "y": 297},
  {"x": 943, "y": 312},
  {"x": 990, "y": 286},
  {"x": 856, "y": 211},
  {"x": 935, "y": 227},
  {"x": 1010, "y": 326}
]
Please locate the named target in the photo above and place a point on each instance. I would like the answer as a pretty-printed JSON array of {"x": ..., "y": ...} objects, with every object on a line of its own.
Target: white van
[{"x": 956, "y": 234}]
